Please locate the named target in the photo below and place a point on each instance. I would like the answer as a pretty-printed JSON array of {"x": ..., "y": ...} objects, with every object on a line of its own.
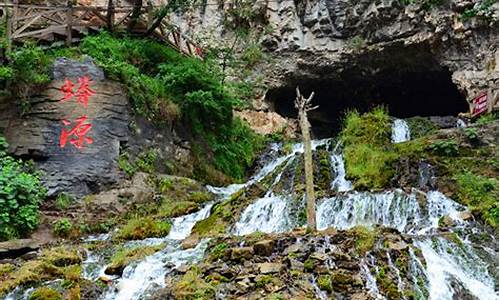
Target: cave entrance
[{"x": 422, "y": 88}]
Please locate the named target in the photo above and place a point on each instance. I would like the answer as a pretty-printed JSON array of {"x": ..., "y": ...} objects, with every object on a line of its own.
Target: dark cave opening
[{"x": 423, "y": 90}]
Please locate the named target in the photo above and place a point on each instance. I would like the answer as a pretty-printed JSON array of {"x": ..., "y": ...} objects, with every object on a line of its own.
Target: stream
[{"x": 449, "y": 268}]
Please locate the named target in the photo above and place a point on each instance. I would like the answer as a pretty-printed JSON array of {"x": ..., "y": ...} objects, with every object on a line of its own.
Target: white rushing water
[
  {"x": 339, "y": 183},
  {"x": 181, "y": 226},
  {"x": 140, "y": 280},
  {"x": 400, "y": 131}
]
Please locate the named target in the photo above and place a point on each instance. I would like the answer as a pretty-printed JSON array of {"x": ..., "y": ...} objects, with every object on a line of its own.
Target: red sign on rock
[
  {"x": 82, "y": 127},
  {"x": 480, "y": 104}
]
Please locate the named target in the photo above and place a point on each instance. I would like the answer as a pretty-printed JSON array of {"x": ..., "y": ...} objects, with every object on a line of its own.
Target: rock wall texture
[
  {"x": 37, "y": 134},
  {"x": 311, "y": 39}
]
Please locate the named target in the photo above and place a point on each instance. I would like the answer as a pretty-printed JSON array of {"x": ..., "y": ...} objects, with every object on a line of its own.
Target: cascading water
[
  {"x": 400, "y": 131},
  {"x": 447, "y": 264}
]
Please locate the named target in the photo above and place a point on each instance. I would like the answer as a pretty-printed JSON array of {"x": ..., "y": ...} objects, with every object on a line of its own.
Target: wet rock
[
  {"x": 190, "y": 242},
  {"x": 30, "y": 255},
  {"x": 16, "y": 248},
  {"x": 241, "y": 253},
  {"x": 446, "y": 222},
  {"x": 292, "y": 249},
  {"x": 264, "y": 248},
  {"x": 105, "y": 279},
  {"x": 465, "y": 215},
  {"x": 269, "y": 268}
]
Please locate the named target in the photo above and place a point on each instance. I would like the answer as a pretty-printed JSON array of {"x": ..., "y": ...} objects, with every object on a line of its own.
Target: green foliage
[
  {"x": 471, "y": 134},
  {"x": 367, "y": 148},
  {"x": 487, "y": 118},
  {"x": 62, "y": 227},
  {"x": 480, "y": 194},
  {"x": 481, "y": 8},
  {"x": 218, "y": 251},
  {"x": 325, "y": 283},
  {"x": 135, "y": 63},
  {"x": 20, "y": 194},
  {"x": 63, "y": 201},
  {"x": 420, "y": 127},
  {"x": 29, "y": 68},
  {"x": 444, "y": 148},
  {"x": 263, "y": 280},
  {"x": 164, "y": 85},
  {"x": 193, "y": 286},
  {"x": 357, "y": 43}
]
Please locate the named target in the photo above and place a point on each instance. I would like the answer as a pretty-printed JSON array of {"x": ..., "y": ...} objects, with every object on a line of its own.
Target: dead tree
[
  {"x": 136, "y": 14},
  {"x": 304, "y": 106}
]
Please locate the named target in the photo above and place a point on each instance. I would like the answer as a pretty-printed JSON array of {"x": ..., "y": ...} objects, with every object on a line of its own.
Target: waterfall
[
  {"x": 181, "y": 226},
  {"x": 339, "y": 183},
  {"x": 400, "y": 131}
]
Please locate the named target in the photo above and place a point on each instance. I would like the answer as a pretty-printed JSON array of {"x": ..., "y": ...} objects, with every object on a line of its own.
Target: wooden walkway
[{"x": 68, "y": 22}]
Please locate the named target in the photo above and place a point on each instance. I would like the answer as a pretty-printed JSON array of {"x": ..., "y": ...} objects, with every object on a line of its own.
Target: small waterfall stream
[{"x": 400, "y": 131}]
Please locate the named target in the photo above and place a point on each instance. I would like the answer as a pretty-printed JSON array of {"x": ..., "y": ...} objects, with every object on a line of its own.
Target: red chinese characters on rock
[
  {"x": 79, "y": 131},
  {"x": 77, "y": 134}
]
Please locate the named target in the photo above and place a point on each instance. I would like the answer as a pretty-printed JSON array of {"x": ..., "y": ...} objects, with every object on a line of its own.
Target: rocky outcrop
[
  {"x": 336, "y": 40},
  {"x": 334, "y": 264},
  {"x": 37, "y": 134}
]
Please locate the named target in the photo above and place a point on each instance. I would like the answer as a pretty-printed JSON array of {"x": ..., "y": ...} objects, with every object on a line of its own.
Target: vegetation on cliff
[{"x": 21, "y": 192}]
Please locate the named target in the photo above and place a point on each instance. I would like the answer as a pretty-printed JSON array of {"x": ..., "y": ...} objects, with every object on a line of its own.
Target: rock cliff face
[{"x": 359, "y": 44}]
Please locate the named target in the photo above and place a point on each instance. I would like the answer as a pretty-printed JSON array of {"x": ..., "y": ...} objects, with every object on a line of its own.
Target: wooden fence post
[
  {"x": 8, "y": 33},
  {"x": 111, "y": 15},
  {"x": 69, "y": 25}
]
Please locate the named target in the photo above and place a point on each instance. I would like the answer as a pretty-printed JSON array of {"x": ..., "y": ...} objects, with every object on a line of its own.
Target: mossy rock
[
  {"x": 192, "y": 285},
  {"x": 325, "y": 283},
  {"x": 141, "y": 228},
  {"x": 45, "y": 293}
]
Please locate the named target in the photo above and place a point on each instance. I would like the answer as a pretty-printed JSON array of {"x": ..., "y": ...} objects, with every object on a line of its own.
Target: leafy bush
[
  {"x": 20, "y": 194},
  {"x": 62, "y": 227},
  {"x": 444, "y": 148}
]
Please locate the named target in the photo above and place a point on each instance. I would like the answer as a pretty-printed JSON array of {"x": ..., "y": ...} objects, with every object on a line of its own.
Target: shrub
[
  {"x": 444, "y": 148},
  {"x": 20, "y": 194},
  {"x": 62, "y": 227},
  {"x": 63, "y": 201}
]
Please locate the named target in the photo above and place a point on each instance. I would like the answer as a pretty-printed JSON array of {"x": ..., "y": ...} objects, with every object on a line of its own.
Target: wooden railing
[{"x": 69, "y": 22}]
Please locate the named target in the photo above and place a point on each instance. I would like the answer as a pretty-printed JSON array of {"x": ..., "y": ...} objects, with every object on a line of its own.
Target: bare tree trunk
[
  {"x": 304, "y": 105},
  {"x": 110, "y": 16}
]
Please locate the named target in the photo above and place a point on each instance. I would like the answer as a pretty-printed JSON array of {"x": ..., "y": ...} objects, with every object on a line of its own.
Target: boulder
[
  {"x": 241, "y": 253},
  {"x": 16, "y": 248},
  {"x": 269, "y": 268},
  {"x": 37, "y": 135},
  {"x": 264, "y": 248}
]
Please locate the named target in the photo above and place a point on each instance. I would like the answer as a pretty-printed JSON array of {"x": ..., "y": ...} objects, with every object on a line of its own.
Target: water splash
[
  {"x": 400, "y": 131},
  {"x": 181, "y": 226}
]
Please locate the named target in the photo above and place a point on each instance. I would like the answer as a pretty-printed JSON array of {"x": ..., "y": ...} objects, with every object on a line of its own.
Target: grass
[
  {"x": 480, "y": 194},
  {"x": 365, "y": 238}
]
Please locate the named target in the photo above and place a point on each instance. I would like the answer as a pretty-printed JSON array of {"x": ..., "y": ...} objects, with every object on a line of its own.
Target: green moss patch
[
  {"x": 193, "y": 286},
  {"x": 141, "y": 228}
]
